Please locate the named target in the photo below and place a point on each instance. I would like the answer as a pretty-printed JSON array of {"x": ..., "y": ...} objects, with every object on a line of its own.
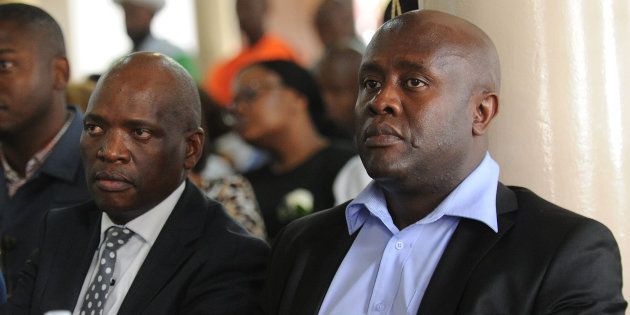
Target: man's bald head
[
  {"x": 168, "y": 80},
  {"x": 444, "y": 31}
]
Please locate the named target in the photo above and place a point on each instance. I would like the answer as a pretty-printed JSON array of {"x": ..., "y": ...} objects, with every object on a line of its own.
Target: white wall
[
  {"x": 96, "y": 32},
  {"x": 562, "y": 128}
]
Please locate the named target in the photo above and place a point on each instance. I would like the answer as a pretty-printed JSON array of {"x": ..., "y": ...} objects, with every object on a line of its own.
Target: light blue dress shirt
[{"x": 387, "y": 270}]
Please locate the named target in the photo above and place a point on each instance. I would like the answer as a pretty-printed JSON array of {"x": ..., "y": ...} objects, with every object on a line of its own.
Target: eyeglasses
[{"x": 249, "y": 95}]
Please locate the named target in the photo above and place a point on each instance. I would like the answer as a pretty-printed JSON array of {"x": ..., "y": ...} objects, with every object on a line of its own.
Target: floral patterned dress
[{"x": 237, "y": 196}]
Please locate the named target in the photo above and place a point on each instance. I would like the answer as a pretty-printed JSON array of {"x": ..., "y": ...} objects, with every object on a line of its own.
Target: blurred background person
[
  {"x": 276, "y": 104},
  {"x": 139, "y": 15},
  {"x": 258, "y": 45},
  {"x": 337, "y": 75},
  {"x": 334, "y": 22},
  {"x": 214, "y": 175},
  {"x": 39, "y": 133}
]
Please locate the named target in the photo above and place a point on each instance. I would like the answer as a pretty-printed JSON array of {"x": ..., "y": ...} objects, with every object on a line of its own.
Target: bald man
[
  {"x": 436, "y": 232},
  {"x": 149, "y": 242}
]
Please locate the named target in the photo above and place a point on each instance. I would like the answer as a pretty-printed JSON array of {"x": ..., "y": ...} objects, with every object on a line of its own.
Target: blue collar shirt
[{"x": 387, "y": 270}]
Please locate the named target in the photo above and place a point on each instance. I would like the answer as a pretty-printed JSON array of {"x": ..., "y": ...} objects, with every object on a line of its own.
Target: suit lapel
[
  {"x": 468, "y": 245},
  {"x": 73, "y": 257},
  {"x": 319, "y": 265},
  {"x": 171, "y": 249}
]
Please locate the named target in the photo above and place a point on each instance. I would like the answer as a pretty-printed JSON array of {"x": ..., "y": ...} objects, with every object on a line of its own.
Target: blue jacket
[{"x": 60, "y": 182}]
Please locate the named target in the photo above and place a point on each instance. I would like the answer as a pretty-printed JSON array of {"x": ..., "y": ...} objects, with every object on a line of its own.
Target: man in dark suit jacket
[
  {"x": 182, "y": 254},
  {"x": 435, "y": 232}
]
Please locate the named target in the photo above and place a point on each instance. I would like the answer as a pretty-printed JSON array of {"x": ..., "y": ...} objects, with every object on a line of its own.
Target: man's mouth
[
  {"x": 381, "y": 135},
  {"x": 111, "y": 181}
]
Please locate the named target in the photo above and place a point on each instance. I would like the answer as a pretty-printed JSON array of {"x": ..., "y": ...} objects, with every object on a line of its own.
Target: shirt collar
[
  {"x": 150, "y": 223},
  {"x": 474, "y": 198}
]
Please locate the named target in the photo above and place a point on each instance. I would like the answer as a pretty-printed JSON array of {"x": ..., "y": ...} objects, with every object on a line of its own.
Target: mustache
[
  {"x": 111, "y": 175},
  {"x": 380, "y": 129}
]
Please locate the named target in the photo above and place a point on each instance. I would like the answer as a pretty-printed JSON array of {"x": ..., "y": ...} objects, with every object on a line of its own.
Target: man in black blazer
[
  {"x": 435, "y": 232},
  {"x": 182, "y": 254}
]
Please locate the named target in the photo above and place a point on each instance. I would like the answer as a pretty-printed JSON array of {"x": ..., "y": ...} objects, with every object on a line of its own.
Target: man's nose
[
  {"x": 114, "y": 147},
  {"x": 387, "y": 101}
]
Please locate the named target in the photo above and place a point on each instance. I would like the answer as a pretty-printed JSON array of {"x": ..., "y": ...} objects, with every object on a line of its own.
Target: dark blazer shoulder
[
  {"x": 201, "y": 262},
  {"x": 551, "y": 219},
  {"x": 530, "y": 265},
  {"x": 304, "y": 259}
]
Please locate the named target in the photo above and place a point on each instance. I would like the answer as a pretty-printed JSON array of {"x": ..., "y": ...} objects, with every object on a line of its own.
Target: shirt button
[
  {"x": 399, "y": 245},
  {"x": 379, "y": 307}
]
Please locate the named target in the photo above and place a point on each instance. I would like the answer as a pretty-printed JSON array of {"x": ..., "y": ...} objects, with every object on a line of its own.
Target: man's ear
[
  {"x": 486, "y": 109},
  {"x": 194, "y": 148},
  {"x": 61, "y": 73}
]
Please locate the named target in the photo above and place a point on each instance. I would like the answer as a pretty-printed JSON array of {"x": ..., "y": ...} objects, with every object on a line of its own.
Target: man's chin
[{"x": 112, "y": 204}]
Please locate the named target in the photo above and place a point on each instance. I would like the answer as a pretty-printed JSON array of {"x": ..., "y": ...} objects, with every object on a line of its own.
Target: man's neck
[
  {"x": 20, "y": 147},
  {"x": 253, "y": 39},
  {"x": 407, "y": 208},
  {"x": 137, "y": 42},
  {"x": 421, "y": 194}
]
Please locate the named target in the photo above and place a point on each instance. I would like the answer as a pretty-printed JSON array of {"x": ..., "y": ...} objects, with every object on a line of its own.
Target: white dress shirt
[{"x": 130, "y": 256}]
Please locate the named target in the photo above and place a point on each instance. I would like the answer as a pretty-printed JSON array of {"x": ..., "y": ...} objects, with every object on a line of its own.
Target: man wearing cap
[{"x": 139, "y": 15}]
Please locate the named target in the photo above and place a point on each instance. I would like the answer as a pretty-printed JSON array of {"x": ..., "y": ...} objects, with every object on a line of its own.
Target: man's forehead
[
  {"x": 420, "y": 44},
  {"x": 11, "y": 33},
  {"x": 413, "y": 57}
]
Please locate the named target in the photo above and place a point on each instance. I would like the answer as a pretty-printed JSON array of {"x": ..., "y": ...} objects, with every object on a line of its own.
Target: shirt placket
[{"x": 389, "y": 275}]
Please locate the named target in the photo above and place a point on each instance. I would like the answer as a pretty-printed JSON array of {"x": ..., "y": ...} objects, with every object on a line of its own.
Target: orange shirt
[{"x": 219, "y": 79}]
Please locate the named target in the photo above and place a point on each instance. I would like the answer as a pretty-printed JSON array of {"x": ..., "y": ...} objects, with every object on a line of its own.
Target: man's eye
[
  {"x": 371, "y": 84},
  {"x": 414, "y": 83},
  {"x": 6, "y": 65},
  {"x": 92, "y": 130},
  {"x": 142, "y": 133}
]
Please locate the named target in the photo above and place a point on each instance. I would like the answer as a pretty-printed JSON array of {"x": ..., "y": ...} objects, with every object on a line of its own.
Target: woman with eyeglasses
[{"x": 278, "y": 108}]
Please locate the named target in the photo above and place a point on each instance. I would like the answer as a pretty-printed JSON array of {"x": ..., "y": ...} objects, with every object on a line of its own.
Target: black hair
[
  {"x": 299, "y": 79},
  {"x": 39, "y": 23}
]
